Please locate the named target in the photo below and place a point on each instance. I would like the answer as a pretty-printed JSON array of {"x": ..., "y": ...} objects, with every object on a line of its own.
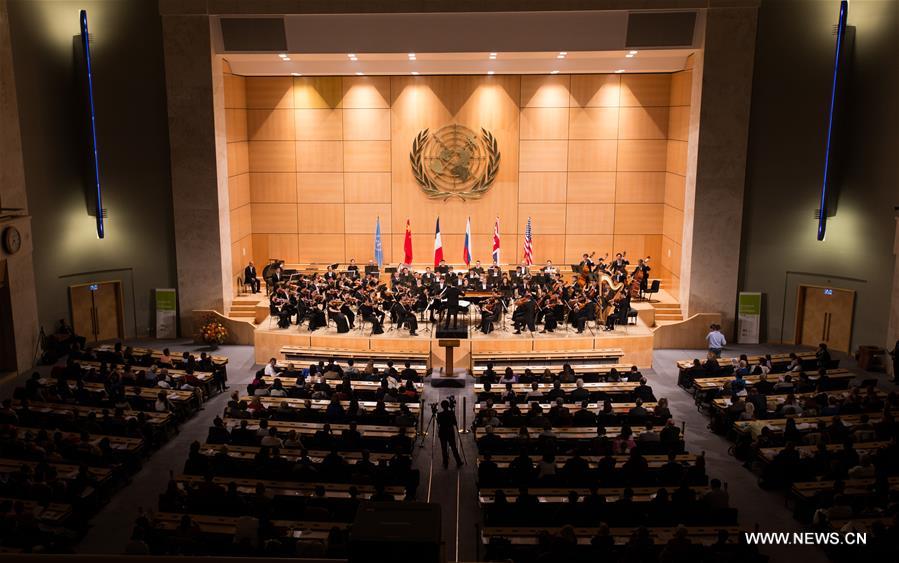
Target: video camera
[{"x": 451, "y": 407}]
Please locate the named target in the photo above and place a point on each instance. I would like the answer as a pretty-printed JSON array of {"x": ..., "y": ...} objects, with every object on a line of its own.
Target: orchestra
[{"x": 599, "y": 291}]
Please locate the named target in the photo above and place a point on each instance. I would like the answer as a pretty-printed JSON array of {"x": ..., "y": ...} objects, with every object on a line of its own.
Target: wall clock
[{"x": 12, "y": 240}]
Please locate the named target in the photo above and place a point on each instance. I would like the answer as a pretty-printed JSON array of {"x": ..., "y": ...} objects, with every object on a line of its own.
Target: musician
[
  {"x": 316, "y": 315},
  {"x": 525, "y": 314},
  {"x": 451, "y": 297},
  {"x": 474, "y": 273},
  {"x": 428, "y": 278},
  {"x": 371, "y": 268},
  {"x": 331, "y": 274},
  {"x": 490, "y": 312},
  {"x": 622, "y": 304},
  {"x": 549, "y": 269},
  {"x": 551, "y": 313},
  {"x": 478, "y": 268},
  {"x": 249, "y": 277},
  {"x": 588, "y": 262},
  {"x": 406, "y": 316},
  {"x": 353, "y": 269},
  {"x": 442, "y": 268},
  {"x": 277, "y": 277},
  {"x": 522, "y": 270},
  {"x": 643, "y": 266},
  {"x": 371, "y": 313},
  {"x": 336, "y": 315},
  {"x": 619, "y": 262}
]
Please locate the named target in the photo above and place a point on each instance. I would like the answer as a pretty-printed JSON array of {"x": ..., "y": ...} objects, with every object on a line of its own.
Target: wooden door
[
  {"x": 825, "y": 315},
  {"x": 82, "y": 302},
  {"x": 107, "y": 305},
  {"x": 97, "y": 310}
]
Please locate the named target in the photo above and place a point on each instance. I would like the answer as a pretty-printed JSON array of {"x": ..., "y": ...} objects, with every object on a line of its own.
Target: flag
[
  {"x": 496, "y": 242},
  {"x": 379, "y": 250},
  {"x": 438, "y": 245},
  {"x": 407, "y": 244},
  {"x": 466, "y": 250},
  {"x": 528, "y": 249}
]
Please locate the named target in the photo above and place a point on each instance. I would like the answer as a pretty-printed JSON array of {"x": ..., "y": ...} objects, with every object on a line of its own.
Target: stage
[{"x": 635, "y": 340}]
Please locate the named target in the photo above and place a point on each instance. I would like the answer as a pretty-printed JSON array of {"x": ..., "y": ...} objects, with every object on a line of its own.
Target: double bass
[{"x": 585, "y": 271}]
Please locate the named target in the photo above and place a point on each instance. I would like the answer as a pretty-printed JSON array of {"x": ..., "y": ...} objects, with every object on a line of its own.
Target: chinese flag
[{"x": 407, "y": 244}]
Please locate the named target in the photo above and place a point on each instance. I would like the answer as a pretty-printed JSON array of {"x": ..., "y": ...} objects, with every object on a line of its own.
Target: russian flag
[
  {"x": 466, "y": 250},
  {"x": 438, "y": 245}
]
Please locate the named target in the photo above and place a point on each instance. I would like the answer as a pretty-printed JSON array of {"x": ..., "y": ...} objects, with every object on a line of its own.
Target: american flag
[{"x": 528, "y": 249}]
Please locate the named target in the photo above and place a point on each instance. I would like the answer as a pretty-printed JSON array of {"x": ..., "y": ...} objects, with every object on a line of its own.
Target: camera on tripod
[{"x": 451, "y": 406}]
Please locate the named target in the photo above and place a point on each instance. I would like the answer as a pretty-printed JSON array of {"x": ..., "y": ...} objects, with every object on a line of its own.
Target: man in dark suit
[
  {"x": 442, "y": 268},
  {"x": 249, "y": 277},
  {"x": 427, "y": 278},
  {"x": 451, "y": 299}
]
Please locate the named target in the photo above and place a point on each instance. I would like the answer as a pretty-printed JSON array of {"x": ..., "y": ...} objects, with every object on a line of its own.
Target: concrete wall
[
  {"x": 129, "y": 86},
  {"x": 20, "y": 327},
  {"x": 791, "y": 94}
]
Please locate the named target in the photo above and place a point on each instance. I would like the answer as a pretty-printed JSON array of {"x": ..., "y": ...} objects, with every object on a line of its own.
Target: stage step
[
  {"x": 669, "y": 317},
  {"x": 242, "y": 314}
]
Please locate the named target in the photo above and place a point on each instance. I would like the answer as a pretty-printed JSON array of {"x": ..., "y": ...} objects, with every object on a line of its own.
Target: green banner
[{"x": 750, "y": 304}]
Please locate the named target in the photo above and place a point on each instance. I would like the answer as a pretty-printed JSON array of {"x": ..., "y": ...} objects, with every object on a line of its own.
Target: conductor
[
  {"x": 446, "y": 431},
  {"x": 451, "y": 296}
]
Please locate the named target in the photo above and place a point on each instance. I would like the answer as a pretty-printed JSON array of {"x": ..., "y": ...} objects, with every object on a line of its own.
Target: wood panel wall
[
  {"x": 238, "y": 171},
  {"x": 587, "y": 157},
  {"x": 668, "y": 267}
]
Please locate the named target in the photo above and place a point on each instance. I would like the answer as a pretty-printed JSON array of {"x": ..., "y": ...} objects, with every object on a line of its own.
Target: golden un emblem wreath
[{"x": 454, "y": 161}]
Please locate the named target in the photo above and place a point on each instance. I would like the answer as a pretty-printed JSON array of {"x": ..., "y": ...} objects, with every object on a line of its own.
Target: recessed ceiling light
[
  {"x": 619, "y": 71},
  {"x": 632, "y": 52},
  {"x": 554, "y": 72},
  {"x": 415, "y": 72},
  {"x": 295, "y": 74},
  {"x": 411, "y": 54},
  {"x": 285, "y": 59},
  {"x": 360, "y": 74},
  {"x": 490, "y": 72},
  {"x": 351, "y": 55},
  {"x": 629, "y": 56},
  {"x": 282, "y": 55},
  {"x": 560, "y": 56},
  {"x": 563, "y": 53}
]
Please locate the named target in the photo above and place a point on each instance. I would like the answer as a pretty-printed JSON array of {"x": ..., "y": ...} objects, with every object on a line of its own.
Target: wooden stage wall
[
  {"x": 637, "y": 348},
  {"x": 596, "y": 161}
]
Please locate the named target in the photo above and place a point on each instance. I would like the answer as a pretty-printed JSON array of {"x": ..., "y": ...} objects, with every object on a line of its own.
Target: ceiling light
[
  {"x": 351, "y": 55},
  {"x": 295, "y": 74},
  {"x": 282, "y": 55},
  {"x": 285, "y": 59},
  {"x": 560, "y": 56},
  {"x": 563, "y": 53},
  {"x": 415, "y": 72},
  {"x": 554, "y": 72},
  {"x": 411, "y": 55},
  {"x": 360, "y": 74},
  {"x": 629, "y": 56},
  {"x": 619, "y": 71},
  {"x": 490, "y": 72},
  {"x": 632, "y": 52}
]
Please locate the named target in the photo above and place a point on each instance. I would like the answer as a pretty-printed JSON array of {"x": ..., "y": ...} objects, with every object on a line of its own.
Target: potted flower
[{"x": 213, "y": 332}]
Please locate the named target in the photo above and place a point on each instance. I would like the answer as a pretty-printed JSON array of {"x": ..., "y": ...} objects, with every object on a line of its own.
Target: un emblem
[{"x": 454, "y": 161}]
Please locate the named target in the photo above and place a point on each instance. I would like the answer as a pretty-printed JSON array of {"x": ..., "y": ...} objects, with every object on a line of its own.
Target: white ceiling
[{"x": 581, "y": 62}]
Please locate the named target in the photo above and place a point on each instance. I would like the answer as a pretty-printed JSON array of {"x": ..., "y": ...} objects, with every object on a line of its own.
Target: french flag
[
  {"x": 438, "y": 245},
  {"x": 466, "y": 250}
]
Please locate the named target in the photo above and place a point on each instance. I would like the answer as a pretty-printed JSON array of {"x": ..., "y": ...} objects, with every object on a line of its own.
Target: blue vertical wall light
[
  {"x": 828, "y": 156},
  {"x": 94, "y": 151}
]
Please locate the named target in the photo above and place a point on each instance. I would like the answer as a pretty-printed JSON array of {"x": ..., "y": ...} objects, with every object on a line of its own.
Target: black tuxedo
[
  {"x": 249, "y": 276},
  {"x": 452, "y": 304}
]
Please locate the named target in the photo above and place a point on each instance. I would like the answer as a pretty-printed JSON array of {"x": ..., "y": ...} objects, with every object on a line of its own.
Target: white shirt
[
  {"x": 270, "y": 370},
  {"x": 716, "y": 339}
]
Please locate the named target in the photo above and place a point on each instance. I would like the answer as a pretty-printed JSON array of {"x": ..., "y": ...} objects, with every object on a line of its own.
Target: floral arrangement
[{"x": 213, "y": 332}]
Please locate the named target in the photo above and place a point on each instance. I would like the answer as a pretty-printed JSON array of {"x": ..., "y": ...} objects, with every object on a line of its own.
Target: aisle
[
  {"x": 111, "y": 528},
  {"x": 455, "y": 490}
]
